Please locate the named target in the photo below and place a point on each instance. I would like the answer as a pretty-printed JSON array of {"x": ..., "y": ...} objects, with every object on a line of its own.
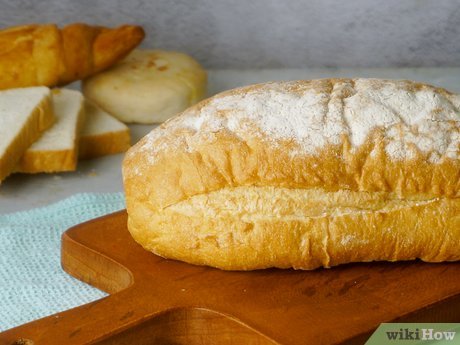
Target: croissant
[{"x": 34, "y": 54}]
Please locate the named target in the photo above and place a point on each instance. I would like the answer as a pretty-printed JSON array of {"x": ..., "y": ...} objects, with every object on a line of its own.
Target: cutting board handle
[
  {"x": 96, "y": 320},
  {"x": 86, "y": 324},
  {"x": 135, "y": 312},
  {"x": 120, "y": 319}
]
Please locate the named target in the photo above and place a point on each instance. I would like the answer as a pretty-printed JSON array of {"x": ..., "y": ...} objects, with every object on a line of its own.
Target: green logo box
[{"x": 416, "y": 333}]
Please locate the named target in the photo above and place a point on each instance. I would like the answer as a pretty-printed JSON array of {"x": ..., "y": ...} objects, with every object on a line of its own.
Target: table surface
[{"x": 21, "y": 192}]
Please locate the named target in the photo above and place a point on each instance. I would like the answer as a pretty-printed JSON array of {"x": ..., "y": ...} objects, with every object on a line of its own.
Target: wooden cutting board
[{"x": 158, "y": 301}]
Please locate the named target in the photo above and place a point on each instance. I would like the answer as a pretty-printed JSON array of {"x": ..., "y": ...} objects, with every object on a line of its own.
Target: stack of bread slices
[{"x": 48, "y": 130}]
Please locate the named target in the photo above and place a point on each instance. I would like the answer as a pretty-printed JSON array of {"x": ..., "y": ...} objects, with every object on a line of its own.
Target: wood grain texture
[{"x": 160, "y": 301}]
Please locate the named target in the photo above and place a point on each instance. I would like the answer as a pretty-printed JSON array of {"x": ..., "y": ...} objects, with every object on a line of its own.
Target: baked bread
[
  {"x": 149, "y": 86},
  {"x": 57, "y": 148},
  {"x": 25, "y": 113},
  {"x": 102, "y": 134},
  {"x": 302, "y": 174},
  {"x": 46, "y": 55}
]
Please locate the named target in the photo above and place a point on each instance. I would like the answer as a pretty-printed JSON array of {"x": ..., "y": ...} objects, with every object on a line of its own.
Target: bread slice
[
  {"x": 102, "y": 134},
  {"x": 24, "y": 114},
  {"x": 57, "y": 149}
]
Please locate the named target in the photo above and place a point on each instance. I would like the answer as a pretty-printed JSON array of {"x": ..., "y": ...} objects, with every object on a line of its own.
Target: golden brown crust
[
  {"x": 263, "y": 227},
  {"x": 93, "y": 146},
  {"x": 222, "y": 158},
  {"x": 45, "y": 55},
  {"x": 103, "y": 47},
  {"x": 228, "y": 161},
  {"x": 177, "y": 163},
  {"x": 34, "y": 162}
]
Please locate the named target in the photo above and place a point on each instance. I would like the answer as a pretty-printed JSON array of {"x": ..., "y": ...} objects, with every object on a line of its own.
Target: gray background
[{"x": 273, "y": 34}]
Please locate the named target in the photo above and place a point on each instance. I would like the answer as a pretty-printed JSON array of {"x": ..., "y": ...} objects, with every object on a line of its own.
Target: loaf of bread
[
  {"x": 46, "y": 55},
  {"x": 302, "y": 174}
]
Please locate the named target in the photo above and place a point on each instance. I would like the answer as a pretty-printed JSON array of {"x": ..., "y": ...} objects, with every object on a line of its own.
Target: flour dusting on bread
[{"x": 412, "y": 117}]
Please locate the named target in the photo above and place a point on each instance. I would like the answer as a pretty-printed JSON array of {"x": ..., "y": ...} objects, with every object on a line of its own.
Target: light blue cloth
[{"x": 32, "y": 282}]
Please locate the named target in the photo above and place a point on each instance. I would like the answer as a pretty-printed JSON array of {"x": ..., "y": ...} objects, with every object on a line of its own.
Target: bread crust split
[
  {"x": 218, "y": 186},
  {"x": 46, "y": 55},
  {"x": 246, "y": 235}
]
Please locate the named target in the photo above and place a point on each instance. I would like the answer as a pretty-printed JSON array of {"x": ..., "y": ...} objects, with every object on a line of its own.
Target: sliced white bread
[
  {"x": 24, "y": 114},
  {"x": 57, "y": 149},
  {"x": 102, "y": 134}
]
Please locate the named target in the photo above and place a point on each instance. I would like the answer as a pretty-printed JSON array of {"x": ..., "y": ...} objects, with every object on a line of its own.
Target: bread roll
[
  {"x": 149, "y": 86},
  {"x": 302, "y": 174}
]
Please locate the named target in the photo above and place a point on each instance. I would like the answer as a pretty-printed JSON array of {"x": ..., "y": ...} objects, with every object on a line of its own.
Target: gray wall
[{"x": 270, "y": 33}]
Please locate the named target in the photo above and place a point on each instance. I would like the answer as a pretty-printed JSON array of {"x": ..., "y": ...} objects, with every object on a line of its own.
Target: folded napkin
[{"x": 32, "y": 282}]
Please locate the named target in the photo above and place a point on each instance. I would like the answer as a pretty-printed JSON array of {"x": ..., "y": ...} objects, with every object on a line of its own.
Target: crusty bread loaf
[
  {"x": 302, "y": 174},
  {"x": 148, "y": 86},
  {"x": 25, "y": 113},
  {"x": 57, "y": 148},
  {"x": 102, "y": 134},
  {"x": 46, "y": 55}
]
